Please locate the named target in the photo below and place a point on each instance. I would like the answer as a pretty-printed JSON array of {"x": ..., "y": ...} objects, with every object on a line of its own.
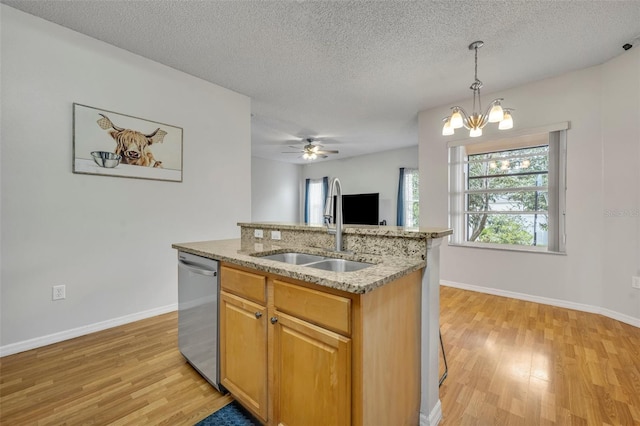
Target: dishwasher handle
[{"x": 196, "y": 270}]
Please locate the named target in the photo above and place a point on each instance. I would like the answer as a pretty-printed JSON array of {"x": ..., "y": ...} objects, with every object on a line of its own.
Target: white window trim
[
  {"x": 563, "y": 125},
  {"x": 557, "y": 185}
]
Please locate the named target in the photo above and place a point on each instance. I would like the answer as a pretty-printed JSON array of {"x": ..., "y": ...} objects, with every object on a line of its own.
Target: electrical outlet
[
  {"x": 275, "y": 235},
  {"x": 59, "y": 292},
  {"x": 635, "y": 282},
  {"x": 258, "y": 233}
]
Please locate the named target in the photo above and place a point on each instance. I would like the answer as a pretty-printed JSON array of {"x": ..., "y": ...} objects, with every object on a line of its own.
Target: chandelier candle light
[{"x": 476, "y": 121}]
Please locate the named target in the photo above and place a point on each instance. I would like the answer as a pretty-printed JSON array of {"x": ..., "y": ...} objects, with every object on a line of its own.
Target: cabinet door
[
  {"x": 243, "y": 351},
  {"x": 312, "y": 374}
]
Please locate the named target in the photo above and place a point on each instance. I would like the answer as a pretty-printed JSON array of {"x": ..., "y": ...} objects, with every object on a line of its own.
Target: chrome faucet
[{"x": 334, "y": 186}]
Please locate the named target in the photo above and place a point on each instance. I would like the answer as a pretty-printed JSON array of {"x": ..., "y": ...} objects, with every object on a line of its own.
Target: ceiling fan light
[
  {"x": 475, "y": 132},
  {"x": 456, "y": 118},
  {"x": 496, "y": 114},
  {"x": 447, "y": 130},
  {"x": 507, "y": 122}
]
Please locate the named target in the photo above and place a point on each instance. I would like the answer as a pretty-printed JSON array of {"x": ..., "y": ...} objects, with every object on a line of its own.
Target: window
[
  {"x": 408, "y": 211},
  {"x": 314, "y": 200},
  {"x": 509, "y": 193}
]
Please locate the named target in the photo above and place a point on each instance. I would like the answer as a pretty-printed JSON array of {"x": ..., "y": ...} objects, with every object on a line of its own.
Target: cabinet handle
[
  {"x": 274, "y": 320},
  {"x": 258, "y": 314}
]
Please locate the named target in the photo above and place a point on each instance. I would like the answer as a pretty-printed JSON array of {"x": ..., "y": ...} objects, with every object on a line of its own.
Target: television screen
[{"x": 359, "y": 209}]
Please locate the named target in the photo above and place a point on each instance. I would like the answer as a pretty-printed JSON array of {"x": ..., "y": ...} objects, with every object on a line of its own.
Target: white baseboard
[
  {"x": 38, "y": 342},
  {"x": 547, "y": 301},
  {"x": 434, "y": 416}
]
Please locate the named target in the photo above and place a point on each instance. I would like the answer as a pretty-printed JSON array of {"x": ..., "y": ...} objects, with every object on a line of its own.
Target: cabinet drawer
[
  {"x": 324, "y": 309},
  {"x": 241, "y": 283}
]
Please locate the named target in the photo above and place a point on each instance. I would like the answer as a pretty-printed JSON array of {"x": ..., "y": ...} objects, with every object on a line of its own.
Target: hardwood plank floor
[
  {"x": 129, "y": 375},
  {"x": 510, "y": 363},
  {"x": 513, "y": 362}
]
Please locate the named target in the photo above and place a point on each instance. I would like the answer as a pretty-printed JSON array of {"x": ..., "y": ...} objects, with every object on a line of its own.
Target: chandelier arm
[
  {"x": 465, "y": 118},
  {"x": 486, "y": 113},
  {"x": 485, "y": 120}
]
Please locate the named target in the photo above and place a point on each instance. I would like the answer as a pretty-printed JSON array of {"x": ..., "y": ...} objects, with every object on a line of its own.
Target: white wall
[
  {"x": 603, "y": 105},
  {"x": 275, "y": 191},
  {"x": 621, "y": 182},
  {"x": 107, "y": 239},
  {"x": 377, "y": 172}
]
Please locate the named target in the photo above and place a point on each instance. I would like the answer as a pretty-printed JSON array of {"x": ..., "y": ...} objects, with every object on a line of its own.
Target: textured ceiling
[{"x": 356, "y": 73}]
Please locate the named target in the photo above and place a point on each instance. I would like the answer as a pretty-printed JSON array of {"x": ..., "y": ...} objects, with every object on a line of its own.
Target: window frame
[{"x": 556, "y": 184}]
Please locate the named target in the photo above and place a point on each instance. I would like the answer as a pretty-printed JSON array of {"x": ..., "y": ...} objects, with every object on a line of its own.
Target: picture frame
[{"x": 110, "y": 143}]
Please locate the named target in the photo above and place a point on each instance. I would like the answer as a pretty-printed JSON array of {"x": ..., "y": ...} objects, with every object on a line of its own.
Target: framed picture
[{"x": 114, "y": 144}]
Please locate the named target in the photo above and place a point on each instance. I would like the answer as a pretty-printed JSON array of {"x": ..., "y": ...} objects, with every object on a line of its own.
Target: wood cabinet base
[{"x": 308, "y": 355}]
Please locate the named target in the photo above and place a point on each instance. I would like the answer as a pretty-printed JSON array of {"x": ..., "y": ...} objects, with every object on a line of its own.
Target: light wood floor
[
  {"x": 520, "y": 363},
  {"x": 510, "y": 363},
  {"x": 128, "y": 375}
]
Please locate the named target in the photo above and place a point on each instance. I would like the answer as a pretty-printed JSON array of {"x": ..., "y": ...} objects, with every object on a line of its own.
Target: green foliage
[
  {"x": 416, "y": 214},
  {"x": 505, "y": 229},
  {"x": 413, "y": 198}
]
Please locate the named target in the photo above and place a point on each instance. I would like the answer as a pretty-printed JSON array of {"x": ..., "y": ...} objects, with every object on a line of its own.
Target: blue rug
[{"x": 230, "y": 415}]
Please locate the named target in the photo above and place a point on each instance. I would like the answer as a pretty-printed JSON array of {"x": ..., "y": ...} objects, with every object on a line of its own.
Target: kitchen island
[{"x": 336, "y": 347}]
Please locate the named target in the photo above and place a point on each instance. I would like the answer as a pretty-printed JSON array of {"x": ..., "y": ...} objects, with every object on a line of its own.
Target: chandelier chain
[{"x": 477, "y": 84}]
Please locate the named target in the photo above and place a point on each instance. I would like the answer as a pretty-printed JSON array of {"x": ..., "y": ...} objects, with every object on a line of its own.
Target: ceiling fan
[{"x": 310, "y": 151}]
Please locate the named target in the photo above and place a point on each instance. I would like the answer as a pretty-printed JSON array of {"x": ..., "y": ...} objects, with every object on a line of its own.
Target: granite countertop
[
  {"x": 388, "y": 231},
  {"x": 385, "y": 269}
]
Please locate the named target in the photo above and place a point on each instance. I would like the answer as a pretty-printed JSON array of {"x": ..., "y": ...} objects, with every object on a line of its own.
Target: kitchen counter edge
[{"x": 385, "y": 269}]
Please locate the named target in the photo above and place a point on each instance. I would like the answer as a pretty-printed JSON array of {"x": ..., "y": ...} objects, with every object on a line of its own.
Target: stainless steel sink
[
  {"x": 318, "y": 262},
  {"x": 294, "y": 258},
  {"x": 339, "y": 265}
]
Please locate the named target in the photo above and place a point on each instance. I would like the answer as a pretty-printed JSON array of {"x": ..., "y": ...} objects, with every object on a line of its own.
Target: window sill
[{"x": 522, "y": 249}]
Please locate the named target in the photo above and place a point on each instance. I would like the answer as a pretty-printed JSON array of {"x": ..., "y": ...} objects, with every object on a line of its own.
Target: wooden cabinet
[
  {"x": 243, "y": 361},
  {"x": 297, "y": 354},
  {"x": 243, "y": 339},
  {"x": 312, "y": 372},
  {"x": 311, "y": 361}
]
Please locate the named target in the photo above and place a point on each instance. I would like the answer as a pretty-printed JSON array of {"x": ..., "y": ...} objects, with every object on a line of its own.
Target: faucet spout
[{"x": 334, "y": 189}]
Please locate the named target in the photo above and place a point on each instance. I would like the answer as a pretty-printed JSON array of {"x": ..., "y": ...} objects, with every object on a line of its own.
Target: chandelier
[{"x": 476, "y": 121}]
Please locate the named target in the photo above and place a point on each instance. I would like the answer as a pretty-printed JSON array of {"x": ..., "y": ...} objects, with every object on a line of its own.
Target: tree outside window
[
  {"x": 507, "y": 197},
  {"x": 411, "y": 197}
]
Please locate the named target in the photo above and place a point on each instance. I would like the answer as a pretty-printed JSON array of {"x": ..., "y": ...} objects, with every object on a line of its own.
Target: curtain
[
  {"x": 307, "y": 183},
  {"x": 325, "y": 191},
  {"x": 400, "y": 210}
]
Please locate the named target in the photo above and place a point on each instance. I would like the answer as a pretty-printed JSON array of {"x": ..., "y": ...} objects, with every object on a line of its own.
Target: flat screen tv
[{"x": 359, "y": 209}]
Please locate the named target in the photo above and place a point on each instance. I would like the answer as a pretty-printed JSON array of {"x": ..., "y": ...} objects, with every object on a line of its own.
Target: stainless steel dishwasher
[{"x": 198, "y": 303}]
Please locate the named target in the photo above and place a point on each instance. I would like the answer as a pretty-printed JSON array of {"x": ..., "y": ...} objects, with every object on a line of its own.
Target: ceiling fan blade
[
  {"x": 291, "y": 152},
  {"x": 324, "y": 151},
  {"x": 322, "y": 156},
  {"x": 294, "y": 147}
]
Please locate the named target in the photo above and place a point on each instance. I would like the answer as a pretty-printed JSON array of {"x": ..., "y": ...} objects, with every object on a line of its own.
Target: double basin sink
[{"x": 318, "y": 262}]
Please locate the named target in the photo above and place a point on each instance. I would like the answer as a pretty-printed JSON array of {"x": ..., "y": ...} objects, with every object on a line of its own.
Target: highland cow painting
[{"x": 113, "y": 144}]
